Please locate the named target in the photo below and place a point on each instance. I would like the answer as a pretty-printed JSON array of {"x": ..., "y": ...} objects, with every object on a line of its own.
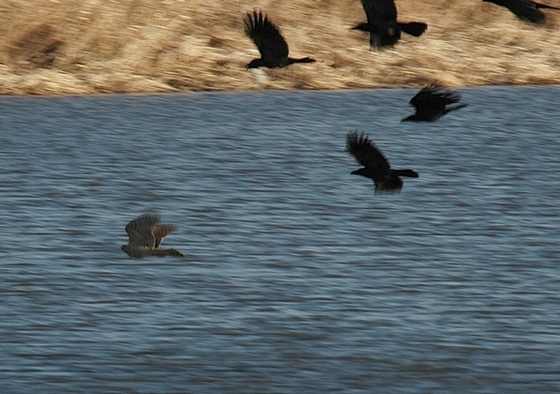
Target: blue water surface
[{"x": 297, "y": 278}]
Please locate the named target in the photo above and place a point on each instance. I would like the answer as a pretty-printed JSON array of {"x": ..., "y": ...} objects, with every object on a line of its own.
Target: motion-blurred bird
[
  {"x": 376, "y": 166},
  {"x": 526, "y": 10},
  {"x": 272, "y": 46},
  {"x": 382, "y": 25},
  {"x": 145, "y": 235},
  {"x": 431, "y": 104}
]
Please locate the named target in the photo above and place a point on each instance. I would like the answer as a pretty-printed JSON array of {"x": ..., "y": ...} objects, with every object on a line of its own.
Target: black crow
[
  {"x": 272, "y": 46},
  {"x": 382, "y": 25},
  {"x": 526, "y": 10},
  {"x": 375, "y": 164},
  {"x": 431, "y": 102}
]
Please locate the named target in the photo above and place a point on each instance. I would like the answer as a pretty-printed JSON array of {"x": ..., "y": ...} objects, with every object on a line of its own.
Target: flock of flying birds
[
  {"x": 382, "y": 25},
  {"x": 146, "y": 233}
]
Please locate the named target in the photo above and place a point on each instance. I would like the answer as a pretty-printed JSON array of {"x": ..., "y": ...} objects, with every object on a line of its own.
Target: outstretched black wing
[
  {"x": 524, "y": 9},
  {"x": 433, "y": 98},
  {"x": 266, "y": 36},
  {"x": 367, "y": 154},
  {"x": 431, "y": 104},
  {"x": 380, "y": 11}
]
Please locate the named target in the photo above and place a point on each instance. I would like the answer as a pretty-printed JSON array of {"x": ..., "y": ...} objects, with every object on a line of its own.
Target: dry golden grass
[{"x": 118, "y": 46}]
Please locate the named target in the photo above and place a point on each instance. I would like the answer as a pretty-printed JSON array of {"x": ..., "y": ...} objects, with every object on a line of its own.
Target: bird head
[{"x": 255, "y": 63}]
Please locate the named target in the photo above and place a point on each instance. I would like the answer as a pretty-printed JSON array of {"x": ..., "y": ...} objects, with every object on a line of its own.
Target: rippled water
[{"x": 298, "y": 279}]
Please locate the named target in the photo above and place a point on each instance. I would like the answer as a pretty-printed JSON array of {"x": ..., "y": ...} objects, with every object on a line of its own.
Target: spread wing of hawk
[{"x": 145, "y": 234}]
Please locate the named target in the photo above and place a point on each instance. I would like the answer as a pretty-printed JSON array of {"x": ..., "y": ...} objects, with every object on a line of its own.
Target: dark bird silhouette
[
  {"x": 272, "y": 46},
  {"x": 431, "y": 104},
  {"x": 145, "y": 235},
  {"x": 382, "y": 25},
  {"x": 526, "y": 10},
  {"x": 376, "y": 166}
]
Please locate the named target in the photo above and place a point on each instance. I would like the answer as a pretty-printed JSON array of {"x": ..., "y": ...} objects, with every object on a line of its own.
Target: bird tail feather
[
  {"x": 415, "y": 29},
  {"x": 167, "y": 252}
]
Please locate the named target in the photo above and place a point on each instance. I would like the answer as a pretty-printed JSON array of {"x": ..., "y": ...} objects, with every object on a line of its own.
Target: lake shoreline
[{"x": 258, "y": 91}]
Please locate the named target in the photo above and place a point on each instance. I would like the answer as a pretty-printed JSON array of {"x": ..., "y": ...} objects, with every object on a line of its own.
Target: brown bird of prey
[
  {"x": 431, "y": 104},
  {"x": 526, "y": 10},
  {"x": 376, "y": 166},
  {"x": 382, "y": 25},
  {"x": 145, "y": 235},
  {"x": 272, "y": 46}
]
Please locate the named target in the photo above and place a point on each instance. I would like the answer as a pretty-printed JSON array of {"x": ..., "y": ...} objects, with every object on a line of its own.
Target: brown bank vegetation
[{"x": 118, "y": 46}]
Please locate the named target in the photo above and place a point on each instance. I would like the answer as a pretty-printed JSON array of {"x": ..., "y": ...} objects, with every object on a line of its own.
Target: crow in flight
[
  {"x": 375, "y": 164},
  {"x": 382, "y": 25},
  {"x": 145, "y": 235},
  {"x": 431, "y": 102},
  {"x": 272, "y": 46},
  {"x": 526, "y": 10}
]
